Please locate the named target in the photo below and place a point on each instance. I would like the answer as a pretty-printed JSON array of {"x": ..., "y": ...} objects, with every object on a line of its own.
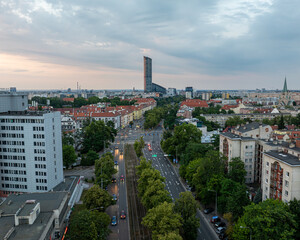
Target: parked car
[
  {"x": 221, "y": 230},
  {"x": 114, "y": 221},
  {"x": 208, "y": 210},
  {"x": 223, "y": 236},
  {"x": 123, "y": 214},
  {"x": 116, "y": 162},
  {"x": 215, "y": 219},
  {"x": 220, "y": 224}
]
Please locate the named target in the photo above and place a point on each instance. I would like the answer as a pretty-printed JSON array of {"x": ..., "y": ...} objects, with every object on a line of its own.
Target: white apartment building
[
  {"x": 30, "y": 152},
  {"x": 242, "y": 142},
  {"x": 281, "y": 173},
  {"x": 108, "y": 116}
]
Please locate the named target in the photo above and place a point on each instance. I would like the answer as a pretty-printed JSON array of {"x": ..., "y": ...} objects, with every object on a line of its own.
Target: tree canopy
[
  {"x": 97, "y": 198},
  {"x": 97, "y": 135},
  {"x": 269, "y": 219},
  {"x": 162, "y": 220},
  {"x": 69, "y": 155}
]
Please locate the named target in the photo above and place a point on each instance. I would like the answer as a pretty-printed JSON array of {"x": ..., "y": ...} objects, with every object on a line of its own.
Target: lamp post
[
  {"x": 216, "y": 200},
  {"x": 250, "y": 231}
]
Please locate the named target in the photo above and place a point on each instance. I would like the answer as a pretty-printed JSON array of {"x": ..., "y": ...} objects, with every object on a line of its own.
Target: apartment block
[
  {"x": 281, "y": 172},
  {"x": 242, "y": 142}
]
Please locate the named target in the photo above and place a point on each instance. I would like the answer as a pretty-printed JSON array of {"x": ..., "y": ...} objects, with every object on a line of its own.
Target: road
[
  {"x": 121, "y": 230},
  {"x": 173, "y": 183}
]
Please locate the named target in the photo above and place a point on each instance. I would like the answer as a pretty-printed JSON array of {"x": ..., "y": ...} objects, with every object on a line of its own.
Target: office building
[
  {"x": 148, "y": 85},
  {"x": 147, "y": 74},
  {"x": 30, "y": 149}
]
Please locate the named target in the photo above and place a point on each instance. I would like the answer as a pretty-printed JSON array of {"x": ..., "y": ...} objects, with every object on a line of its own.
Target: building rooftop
[
  {"x": 48, "y": 202},
  {"x": 27, "y": 209},
  {"x": 284, "y": 157},
  {"x": 235, "y": 136},
  {"x": 249, "y": 127}
]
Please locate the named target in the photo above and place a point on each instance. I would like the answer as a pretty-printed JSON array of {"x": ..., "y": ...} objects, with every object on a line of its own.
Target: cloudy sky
[{"x": 207, "y": 44}]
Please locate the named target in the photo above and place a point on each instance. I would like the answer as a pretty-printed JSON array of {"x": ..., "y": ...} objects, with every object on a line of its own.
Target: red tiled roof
[{"x": 194, "y": 103}]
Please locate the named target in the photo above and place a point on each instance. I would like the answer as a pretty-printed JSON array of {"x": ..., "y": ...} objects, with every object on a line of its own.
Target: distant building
[
  {"x": 190, "y": 92},
  {"x": 148, "y": 85},
  {"x": 188, "y": 95},
  {"x": 171, "y": 92},
  {"x": 206, "y": 96},
  {"x": 147, "y": 74}
]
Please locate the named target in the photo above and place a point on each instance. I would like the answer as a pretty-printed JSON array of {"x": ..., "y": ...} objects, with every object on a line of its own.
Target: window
[
  {"x": 286, "y": 193},
  {"x": 266, "y": 188},
  {"x": 267, "y": 164},
  {"x": 267, "y": 172},
  {"x": 286, "y": 183},
  {"x": 287, "y": 174},
  {"x": 267, "y": 180}
]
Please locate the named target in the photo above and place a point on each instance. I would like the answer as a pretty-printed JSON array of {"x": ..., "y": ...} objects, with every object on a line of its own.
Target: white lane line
[{"x": 170, "y": 182}]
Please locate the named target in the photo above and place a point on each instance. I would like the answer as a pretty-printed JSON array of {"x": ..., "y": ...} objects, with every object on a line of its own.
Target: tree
[
  {"x": 97, "y": 135},
  {"x": 234, "y": 121},
  {"x": 169, "y": 235},
  {"x": 82, "y": 226},
  {"x": 144, "y": 164},
  {"x": 102, "y": 221},
  {"x": 184, "y": 135},
  {"x": 194, "y": 151},
  {"x": 138, "y": 148},
  {"x": 97, "y": 198},
  {"x": 186, "y": 206},
  {"x": 269, "y": 219},
  {"x": 155, "y": 194},
  {"x": 162, "y": 220},
  {"x": 258, "y": 197},
  {"x": 90, "y": 158},
  {"x": 236, "y": 171},
  {"x": 281, "y": 123},
  {"x": 233, "y": 197},
  {"x": 146, "y": 176},
  {"x": 67, "y": 139},
  {"x": 213, "y": 163},
  {"x": 294, "y": 208},
  {"x": 104, "y": 169},
  {"x": 69, "y": 155}
]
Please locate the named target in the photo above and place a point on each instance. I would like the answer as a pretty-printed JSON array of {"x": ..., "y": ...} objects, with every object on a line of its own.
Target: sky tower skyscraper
[{"x": 147, "y": 74}]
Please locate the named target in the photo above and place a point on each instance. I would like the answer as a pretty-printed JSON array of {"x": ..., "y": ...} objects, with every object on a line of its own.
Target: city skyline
[{"x": 210, "y": 45}]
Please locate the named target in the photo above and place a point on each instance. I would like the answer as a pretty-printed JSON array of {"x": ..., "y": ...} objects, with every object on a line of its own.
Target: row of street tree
[{"x": 165, "y": 219}]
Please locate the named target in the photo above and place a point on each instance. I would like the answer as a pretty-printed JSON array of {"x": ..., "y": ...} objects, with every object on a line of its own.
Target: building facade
[
  {"x": 30, "y": 152},
  {"x": 147, "y": 74}
]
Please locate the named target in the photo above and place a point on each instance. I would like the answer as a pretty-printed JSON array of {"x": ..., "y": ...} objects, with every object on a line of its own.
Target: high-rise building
[
  {"x": 147, "y": 74},
  {"x": 30, "y": 148}
]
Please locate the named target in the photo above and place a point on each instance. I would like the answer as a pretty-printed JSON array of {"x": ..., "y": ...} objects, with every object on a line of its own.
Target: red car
[
  {"x": 123, "y": 214},
  {"x": 122, "y": 178}
]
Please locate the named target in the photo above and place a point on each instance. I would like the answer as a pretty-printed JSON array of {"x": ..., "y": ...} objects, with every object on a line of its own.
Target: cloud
[{"x": 233, "y": 40}]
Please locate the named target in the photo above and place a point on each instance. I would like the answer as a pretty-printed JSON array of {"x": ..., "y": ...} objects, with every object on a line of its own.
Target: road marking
[
  {"x": 172, "y": 173},
  {"x": 170, "y": 182}
]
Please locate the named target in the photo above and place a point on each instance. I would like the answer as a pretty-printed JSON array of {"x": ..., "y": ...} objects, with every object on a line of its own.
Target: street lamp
[
  {"x": 216, "y": 199},
  {"x": 250, "y": 231}
]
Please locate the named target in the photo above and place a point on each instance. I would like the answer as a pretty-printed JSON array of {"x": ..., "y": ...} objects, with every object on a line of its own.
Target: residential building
[
  {"x": 242, "y": 142},
  {"x": 281, "y": 173}
]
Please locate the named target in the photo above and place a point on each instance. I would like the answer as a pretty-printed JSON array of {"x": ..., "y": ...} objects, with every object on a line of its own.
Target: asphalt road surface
[{"x": 121, "y": 230}]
